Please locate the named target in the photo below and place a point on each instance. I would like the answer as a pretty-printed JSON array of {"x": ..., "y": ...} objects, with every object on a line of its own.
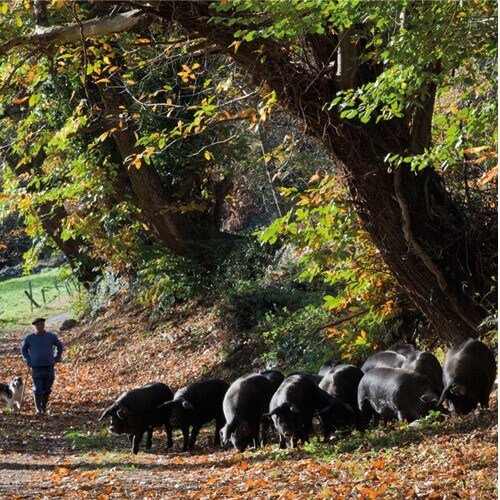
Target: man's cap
[{"x": 38, "y": 320}]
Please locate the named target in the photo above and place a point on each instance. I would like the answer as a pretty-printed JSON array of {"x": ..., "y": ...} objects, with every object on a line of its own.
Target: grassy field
[{"x": 15, "y": 305}]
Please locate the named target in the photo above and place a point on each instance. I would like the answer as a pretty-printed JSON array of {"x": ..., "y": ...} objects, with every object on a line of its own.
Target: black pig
[
  {"x": 468, "y": 376},
  {"x": 297, "y": 401},
  {"x": 390, "y": 393},
  {"x": 246, "y": 400},
  {"x": 134, "y": 413},
  {"x": 195, "y": 405}
]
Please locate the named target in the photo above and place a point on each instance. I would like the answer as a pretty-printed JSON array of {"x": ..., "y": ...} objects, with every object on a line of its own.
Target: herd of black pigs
[{"x": 402, "y": 383}]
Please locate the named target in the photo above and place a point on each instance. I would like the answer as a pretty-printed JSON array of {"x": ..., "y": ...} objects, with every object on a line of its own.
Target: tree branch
[
  {"x": 349, "y": 317},
  {"x": 74, "y": 32}
]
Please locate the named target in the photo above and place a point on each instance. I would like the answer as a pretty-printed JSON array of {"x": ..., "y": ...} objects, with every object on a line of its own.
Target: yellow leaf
[
  {"x": 472, "y": 151},
  {"x": 236, "y": 45},
  {"x": 207, "y": 155},
  {"x": 137, "y": 161},
  {"x": 58, "y": 3},
  {"x": 19, "y": 100},
  {"x": 103, "y": 136},
  {"x": 488, "y": 176}
]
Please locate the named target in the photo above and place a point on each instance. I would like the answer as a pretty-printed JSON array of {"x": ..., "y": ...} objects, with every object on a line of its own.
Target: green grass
[
  {"x": 371, "y": 441},
  {"x": 15, "y": 305},
  {"x": 88, "y": 441}
]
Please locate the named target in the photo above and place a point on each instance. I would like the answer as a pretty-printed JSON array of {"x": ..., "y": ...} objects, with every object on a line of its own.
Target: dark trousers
[{"x": 43, "y": 378}]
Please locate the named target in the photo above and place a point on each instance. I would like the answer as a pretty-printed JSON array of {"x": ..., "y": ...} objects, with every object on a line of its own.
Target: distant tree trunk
[
  {"x": 85, "y": 267},
  {"x": 423, "y": 236},
  {"x": 52, "y": 217}
]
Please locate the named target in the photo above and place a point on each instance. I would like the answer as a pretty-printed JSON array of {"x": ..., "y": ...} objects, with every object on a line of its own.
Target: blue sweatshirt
[{"x": 38, "y": 350}]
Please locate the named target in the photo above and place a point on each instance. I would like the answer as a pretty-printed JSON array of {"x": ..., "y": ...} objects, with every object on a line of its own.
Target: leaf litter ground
[{"x": 68, "y": 454}]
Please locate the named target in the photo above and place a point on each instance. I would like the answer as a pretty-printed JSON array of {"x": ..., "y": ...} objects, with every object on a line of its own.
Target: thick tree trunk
[{"x": 195, "y": 234}]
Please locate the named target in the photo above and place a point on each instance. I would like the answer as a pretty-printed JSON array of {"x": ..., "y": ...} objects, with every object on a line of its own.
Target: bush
[{"x": 295, "y": 341}]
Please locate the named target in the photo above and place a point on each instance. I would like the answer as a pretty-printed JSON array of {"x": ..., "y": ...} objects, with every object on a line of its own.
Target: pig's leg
[
  {"x": 168, "y": 430},
  {"x": 194, "y": 434},
  {"x": 136, "y": 441},
  {"x": 185, "y": 435}
]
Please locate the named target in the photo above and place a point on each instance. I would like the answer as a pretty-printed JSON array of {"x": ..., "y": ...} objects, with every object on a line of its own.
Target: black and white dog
[{"x": 12, "y": 392}]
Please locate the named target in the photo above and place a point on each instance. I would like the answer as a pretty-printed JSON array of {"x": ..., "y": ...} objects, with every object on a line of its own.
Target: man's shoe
[
  {"x": 38, "y": 398},
  {"x": 45, "y": 400}
]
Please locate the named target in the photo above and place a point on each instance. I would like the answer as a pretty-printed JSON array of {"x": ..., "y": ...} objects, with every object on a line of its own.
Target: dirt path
[
  {"x": 69, "y": 454},
  {"x": 57, "y": 319}
]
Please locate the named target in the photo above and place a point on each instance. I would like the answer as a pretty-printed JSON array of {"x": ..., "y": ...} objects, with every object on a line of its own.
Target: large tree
[{"x": 363, "y": 78}]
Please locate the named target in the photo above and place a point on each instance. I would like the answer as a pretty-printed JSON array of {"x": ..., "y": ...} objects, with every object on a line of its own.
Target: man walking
[{"x": 38, "y": 353}]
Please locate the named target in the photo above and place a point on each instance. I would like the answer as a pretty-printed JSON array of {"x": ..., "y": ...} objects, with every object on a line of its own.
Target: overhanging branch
[{"x": 45, "y": 36}]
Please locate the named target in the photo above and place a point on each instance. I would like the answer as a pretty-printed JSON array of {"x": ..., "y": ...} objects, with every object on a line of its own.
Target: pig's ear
[
  {"x": 276, "y": 411},
  {"x": 124, "y": 413},
  {"x": 429, "y": 398},
  {"x": 444, "y": 395},
  {"x": 108, "y": 412},
  {"x": 166, "y": 407},
  {"x": 187, "y": 405},
  {"x": 458, "y": 390}
]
